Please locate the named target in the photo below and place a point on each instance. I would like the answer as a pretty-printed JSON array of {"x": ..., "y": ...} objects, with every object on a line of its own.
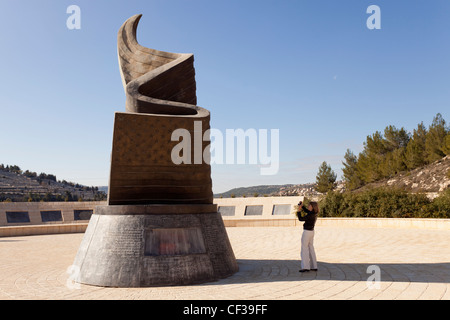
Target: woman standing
[{"x": 308, "y": 255}]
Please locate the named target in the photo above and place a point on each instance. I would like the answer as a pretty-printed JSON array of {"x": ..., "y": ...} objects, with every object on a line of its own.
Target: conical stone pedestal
[{"x": 154, "y": 245}]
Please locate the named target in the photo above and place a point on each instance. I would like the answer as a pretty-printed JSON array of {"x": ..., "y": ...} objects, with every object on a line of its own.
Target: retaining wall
[{"x": 33, "y": 218}]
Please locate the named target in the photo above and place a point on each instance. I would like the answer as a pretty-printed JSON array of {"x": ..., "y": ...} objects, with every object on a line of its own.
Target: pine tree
[
  {"x": 435, "y": 139},
  {"x": 325, "y": 179},
  {"x": 446, "y": 147},
  {"x": 395, "y": 138},
  {"x": 395, "y": 142},
  {"x": 350, "y": 171},
  {"x": 371, "y": 158},
  {"x": 415, "y": 150},
  {"x": 386, "y": 155},
  {"x": 393, "y": 163}
]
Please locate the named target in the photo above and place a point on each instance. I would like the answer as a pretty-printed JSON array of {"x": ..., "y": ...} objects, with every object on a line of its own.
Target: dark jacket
[{"x": 310, "y": 219}]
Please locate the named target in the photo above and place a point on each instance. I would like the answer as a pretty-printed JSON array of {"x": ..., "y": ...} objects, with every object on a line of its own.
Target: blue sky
[{"x": 311, "y": 69}]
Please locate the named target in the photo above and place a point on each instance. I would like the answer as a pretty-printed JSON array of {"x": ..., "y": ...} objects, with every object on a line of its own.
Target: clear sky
[{"x": 311, "y": 69}]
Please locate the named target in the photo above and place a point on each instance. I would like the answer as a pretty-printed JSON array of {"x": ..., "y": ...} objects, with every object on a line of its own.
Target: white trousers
[{"x": 308, "y": 255}]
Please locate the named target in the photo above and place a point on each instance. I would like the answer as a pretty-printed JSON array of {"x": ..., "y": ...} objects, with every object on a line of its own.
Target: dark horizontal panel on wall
[
  {"x": 227, "y": 210},
  {"x": 47, "y": 216},
  {"x": 253, "y": 210},
  {"x": 17, "y": 216}
]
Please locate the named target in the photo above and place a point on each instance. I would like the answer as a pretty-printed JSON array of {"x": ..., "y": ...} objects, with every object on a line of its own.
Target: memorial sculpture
[{"x": 160, "y": 226}]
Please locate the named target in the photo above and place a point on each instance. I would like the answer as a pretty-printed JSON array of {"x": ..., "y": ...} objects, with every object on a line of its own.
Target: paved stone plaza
[{"x": 414, "y": 264}]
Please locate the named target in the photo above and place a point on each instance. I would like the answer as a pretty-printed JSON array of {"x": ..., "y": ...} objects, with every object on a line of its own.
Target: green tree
[
  {"x": 333, "y": 204},
  {"x": 325, "y": 179},
  {"x": 440, "y": 207},
  {"x": 350, "y": 171},
  {"x": 435, "y": 139},
  {"x": 395, "y": 151},
  {"x": 446, "y": 147},
  {"x": 370, "y": 162},
  {"x": 68, "y": 196},
  {"x": 395, "y": 138},
  {"x": 395, "y": 143},
  {"x": 48, "y": 197},
  {"x": 382, "y": 202},
  {"x": 393, "y": 163},
  {"x": 415, "y": 150}
]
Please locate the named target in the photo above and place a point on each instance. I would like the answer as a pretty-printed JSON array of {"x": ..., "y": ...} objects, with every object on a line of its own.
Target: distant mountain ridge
[
  {"x": 251, "y": 191},
  {"x": 305, "y": 189}
]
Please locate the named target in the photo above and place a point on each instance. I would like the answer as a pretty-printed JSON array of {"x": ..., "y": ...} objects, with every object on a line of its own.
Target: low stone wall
[
  {"x": 38, "y": 213},
  {"x": 410, "y": 223},
  {"x": 33, "y": 218},
  {"x": 258, "y": 211},
  {"x": 31, "y": 230}
]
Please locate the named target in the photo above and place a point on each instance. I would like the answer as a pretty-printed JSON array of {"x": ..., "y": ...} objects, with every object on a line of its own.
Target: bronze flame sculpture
[{"x": 160, "y": 226}]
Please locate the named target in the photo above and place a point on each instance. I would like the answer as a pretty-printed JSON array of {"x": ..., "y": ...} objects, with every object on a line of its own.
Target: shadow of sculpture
[{"x": 257, "y": 271}]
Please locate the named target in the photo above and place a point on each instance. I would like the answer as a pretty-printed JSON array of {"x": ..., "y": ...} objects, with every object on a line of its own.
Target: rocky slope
[
  {"x": 16, "y": 186},
  {"x": 433, "y": 178}
]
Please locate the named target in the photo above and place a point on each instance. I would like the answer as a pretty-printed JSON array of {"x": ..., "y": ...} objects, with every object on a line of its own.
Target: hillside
[
  {"x": 264, "y": 190},
  {"x": 432, "y": 178},
  {"x": 305, "y": 189},
  {"x": 16, "y": 185}
]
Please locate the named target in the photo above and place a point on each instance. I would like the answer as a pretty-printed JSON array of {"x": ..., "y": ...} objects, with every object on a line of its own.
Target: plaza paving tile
[{"x": 414, "y": 264}]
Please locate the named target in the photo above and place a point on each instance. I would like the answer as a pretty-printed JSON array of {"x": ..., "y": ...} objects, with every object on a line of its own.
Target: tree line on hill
[
  {"x": 43, "y": 176},
  {"x": 396, "y": 151},
  {"x": 388, "y": 154},
  {"x": 27, "y": 173},
  {"x": 65, "y": 195},
  {"x": 384, "y": 156}
]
